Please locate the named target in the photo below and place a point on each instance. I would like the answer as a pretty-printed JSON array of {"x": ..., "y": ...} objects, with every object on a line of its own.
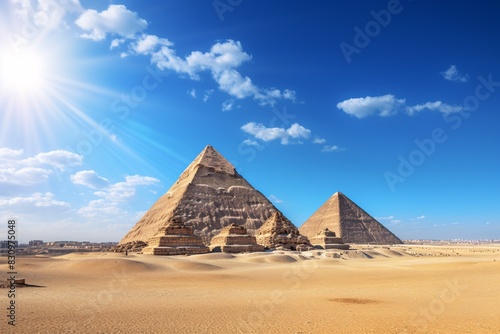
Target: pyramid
[
  {"x": 234, "y": 239},
  {"x": 208, "y": 196},
  {"x": 341, "y": 215},
  {"x": 327, "y": 239},
  {"x": 175, "y": 239},
  {"x": 279, "y": 233}
]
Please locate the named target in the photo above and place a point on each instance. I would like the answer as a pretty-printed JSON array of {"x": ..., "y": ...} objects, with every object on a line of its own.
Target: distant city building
[
  {"x": 34, "y": 243},
  {"x": 5, "y": 243}
]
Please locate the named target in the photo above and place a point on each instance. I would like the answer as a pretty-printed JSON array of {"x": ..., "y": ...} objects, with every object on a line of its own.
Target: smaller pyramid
[
  {"x": 234, "y": 239},
  {"x": 344, "y": 217},
  {"x": 175, "y": 239},
  {"x": 279, "y": 233},
  {"x": 327, "y": 239}
]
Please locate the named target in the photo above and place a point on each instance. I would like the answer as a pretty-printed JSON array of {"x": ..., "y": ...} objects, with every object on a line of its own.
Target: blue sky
[{"x": 394, "y": 103}]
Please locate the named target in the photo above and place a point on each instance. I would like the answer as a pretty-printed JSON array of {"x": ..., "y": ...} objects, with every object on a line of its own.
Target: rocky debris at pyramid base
[
  {"x": 280, "y": 234},
  {"x": 176, "y": 239},
  {"x": 326, "y": 239},
  {"x": 234, "y": 239},
  {"x": 344, "y": 217},
  {"x": 133, "y": 246},
  {"x": 208, "y": 196}
]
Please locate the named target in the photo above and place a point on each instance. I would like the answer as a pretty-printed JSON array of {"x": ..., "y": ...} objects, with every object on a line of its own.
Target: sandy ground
[{"x": 404, "y": 289}]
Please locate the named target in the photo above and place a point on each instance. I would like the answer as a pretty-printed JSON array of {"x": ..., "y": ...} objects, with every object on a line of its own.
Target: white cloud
[
  {"x": 146, "y": 44},
  {"x": 7, "y": 153},
  {"x": 396, "y": 221},
  {"x": 89, "y": 178},
  {"x": 47, "y": 14},
  {"x": 123, "y": 191},
  {"x": 100, "y": 208},
  {"x": 249, "y": 142},
  {"x": 452, "y": 74},
  {"x": 388, "y": 105},
  {"x": 264, "y": 133},
  {"x": 289, "y": 95},
  {"x": 138, "y": 180},
  {"x": 221, "y": 61},
  {"x": 318, "y": 140},
  {"x": 437, "y": 105},
  {"x": 385, "y": 218},
  {"x": 361, "y": 107},
  {"x": 17, "y": 171},
  {"x": 58, "y": 158},
  {"x": 298, "y": 131},
  {"x": 38, "y": 200},
  {"x": 207, "y": 95},
  {"x": 275, "y": 199},
  {"x": 116, "y": 20},
  {"x": 115, "y": 195},
  {"x": 261, "y": 132},
  {"x": 116, "y": 43},
  {"x": 227, "y": 105},
  {"x": 192, "y": 93},
  {"x": 26, "y": 176},
  {"x": 50, "y": 13},
  {"x": 332, "y": 148},
  {"x": 421, "y": 217}
]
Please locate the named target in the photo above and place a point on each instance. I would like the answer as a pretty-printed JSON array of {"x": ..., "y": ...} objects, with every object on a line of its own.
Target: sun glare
[
  {"x": 24, "y": 72},
  {"x": 40, "y": 94}
]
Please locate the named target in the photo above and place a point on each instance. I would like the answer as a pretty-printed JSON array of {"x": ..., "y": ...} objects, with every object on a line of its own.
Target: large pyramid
[
  {"x": 208, "y": 196},
  {"x": 341, "y": 215}
]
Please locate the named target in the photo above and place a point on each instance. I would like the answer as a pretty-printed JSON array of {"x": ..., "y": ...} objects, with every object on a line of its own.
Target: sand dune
[{"x": 366, "y": 290}]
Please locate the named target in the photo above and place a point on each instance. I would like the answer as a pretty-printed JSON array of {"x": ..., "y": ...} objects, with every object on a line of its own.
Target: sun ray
[{"x": 40, "y": 96}]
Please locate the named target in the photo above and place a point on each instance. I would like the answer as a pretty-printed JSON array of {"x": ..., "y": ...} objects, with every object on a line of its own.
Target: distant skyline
[{"x": 103, "y": 104}]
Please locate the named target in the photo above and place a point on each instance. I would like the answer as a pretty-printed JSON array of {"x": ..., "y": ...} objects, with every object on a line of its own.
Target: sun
[
  {"x": 23, "y": 72},
  {"x": 43, "y": 96}
]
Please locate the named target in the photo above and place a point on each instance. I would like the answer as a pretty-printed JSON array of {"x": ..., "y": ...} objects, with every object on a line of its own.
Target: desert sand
[{"x": 371, "y": 289}]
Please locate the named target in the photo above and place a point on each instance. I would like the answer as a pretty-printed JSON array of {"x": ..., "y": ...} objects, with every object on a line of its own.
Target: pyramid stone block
[
  {"x": 342, "y": 216},
  {"x": 234, "y": 239},
  {"x": 327, "y": 239},
  {"x": 177, "y": 239}
]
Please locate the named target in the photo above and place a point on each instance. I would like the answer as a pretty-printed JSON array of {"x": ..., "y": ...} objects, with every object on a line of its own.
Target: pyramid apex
[
  {"x": 209, "y": 157},
  {"x": 336, "y": 194}
]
